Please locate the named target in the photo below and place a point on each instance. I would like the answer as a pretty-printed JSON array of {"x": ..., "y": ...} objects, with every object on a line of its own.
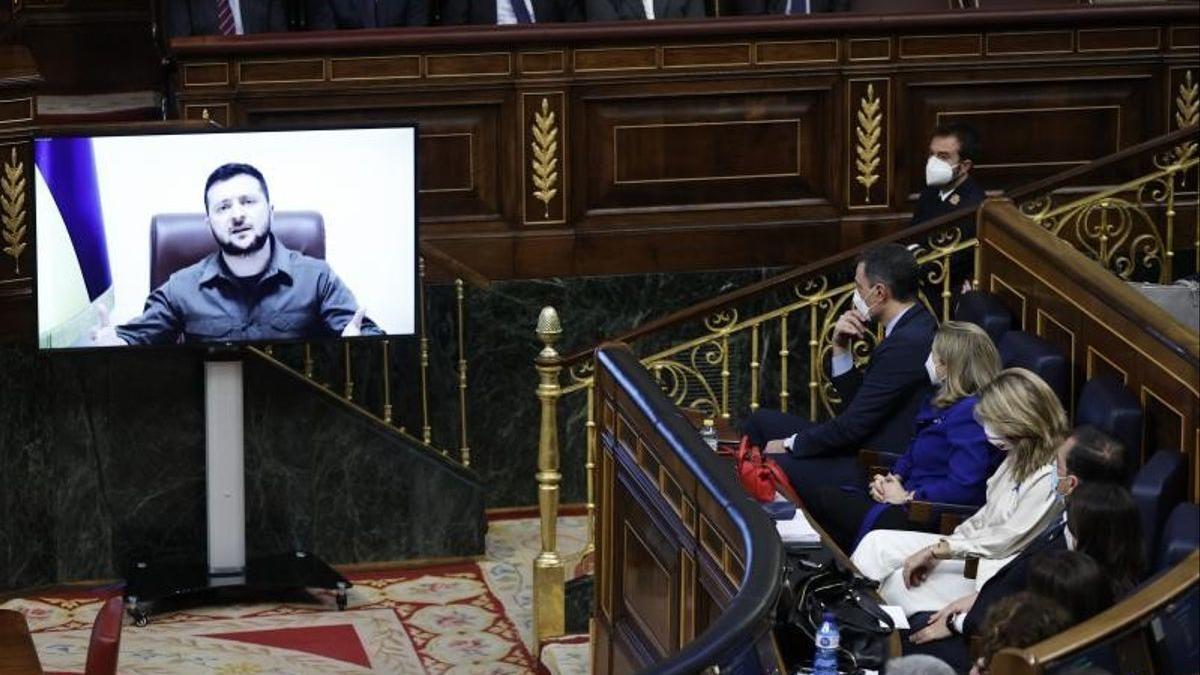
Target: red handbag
[{"x": 761, "y": 476}]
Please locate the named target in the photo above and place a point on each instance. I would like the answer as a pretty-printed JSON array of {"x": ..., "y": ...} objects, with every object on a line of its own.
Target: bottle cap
[{"x": 708, "y": 422}]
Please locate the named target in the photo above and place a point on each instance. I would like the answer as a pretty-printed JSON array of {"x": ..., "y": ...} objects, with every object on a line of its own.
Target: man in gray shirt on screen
[{"x": 252, "y": 288}]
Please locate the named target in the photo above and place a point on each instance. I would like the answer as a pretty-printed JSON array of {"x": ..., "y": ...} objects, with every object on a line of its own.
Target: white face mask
[
  {"x": 938, "y": 172},
  {"x": 861, "y": 305},
  {"x": 929, "y": 368}
]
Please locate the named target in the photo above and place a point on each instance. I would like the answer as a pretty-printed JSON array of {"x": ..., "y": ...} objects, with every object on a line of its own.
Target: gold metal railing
[
  {"x": 340, "y": 368},
  {"x": 1129, "y": 228}
]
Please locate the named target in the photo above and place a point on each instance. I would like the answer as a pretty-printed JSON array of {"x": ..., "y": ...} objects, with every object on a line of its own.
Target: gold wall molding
[
  {"x": 12, "y": 209},
  {"x": 545, "y": 160},
  {"x": 868, "y": 131}
]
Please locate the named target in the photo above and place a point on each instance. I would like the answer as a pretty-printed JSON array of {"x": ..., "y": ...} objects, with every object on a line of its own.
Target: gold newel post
[{"x": 548, "y": 574}]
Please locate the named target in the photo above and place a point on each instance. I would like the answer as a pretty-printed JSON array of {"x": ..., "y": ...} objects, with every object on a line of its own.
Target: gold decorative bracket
[
  {"x": 1187, "y": 114},
  {"x": 12, "y": 209}
]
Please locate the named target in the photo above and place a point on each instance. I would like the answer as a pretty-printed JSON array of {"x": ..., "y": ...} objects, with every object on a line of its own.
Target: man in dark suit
[
  {"x": 752, "y": 7},
  {"x": 953, "y": 151},
  {"x": 1087, "y": 456},
  {"x": 494, "y": 12},
  {"x": 335, "y": 14},
  {"x": 879, "y": 402},
  {"x": 642, "y": 10},
  {"x": 224, "y": 17}
]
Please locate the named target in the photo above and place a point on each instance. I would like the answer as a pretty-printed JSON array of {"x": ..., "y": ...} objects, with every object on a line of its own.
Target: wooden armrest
[
  {"x": 875, "y": 462},
  {"x": 948, "y": 516}
]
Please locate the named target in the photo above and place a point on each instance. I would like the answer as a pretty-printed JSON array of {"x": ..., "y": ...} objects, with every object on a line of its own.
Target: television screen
[{"x": 225, "y": 237}]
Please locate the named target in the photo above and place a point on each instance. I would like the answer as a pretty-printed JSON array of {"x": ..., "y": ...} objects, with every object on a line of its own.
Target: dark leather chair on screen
[
  {"x": 1019, "y": 349},
  {"x": 1107, "y": 405},
  {"x": 1157, "y": 488},
  {"x": 180, "y": 239},
  {"x": 986, "y": 311}
]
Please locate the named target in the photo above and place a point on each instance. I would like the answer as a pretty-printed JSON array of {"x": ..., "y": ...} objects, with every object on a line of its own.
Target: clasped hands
[{"x": 888, "y": 489}]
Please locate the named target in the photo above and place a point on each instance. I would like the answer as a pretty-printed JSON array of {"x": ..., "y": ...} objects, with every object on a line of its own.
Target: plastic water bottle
[
  {"x": 708, "y": 431},
  {"x": 828, "y": 638}
]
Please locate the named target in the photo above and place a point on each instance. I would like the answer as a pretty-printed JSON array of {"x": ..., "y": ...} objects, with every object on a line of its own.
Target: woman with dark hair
[
  {"x": 1103, "y": 522},
  {"x": 1073, "y": 580},
  {"x": 1019, "y": 621}
]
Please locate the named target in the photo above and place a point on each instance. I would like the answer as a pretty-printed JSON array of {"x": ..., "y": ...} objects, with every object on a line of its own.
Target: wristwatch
[{"x": 952, "y": 624}]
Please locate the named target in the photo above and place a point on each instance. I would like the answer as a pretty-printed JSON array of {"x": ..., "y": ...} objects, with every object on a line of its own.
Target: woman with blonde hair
[
  {"x": 921, "y": 572},
  {"x": 949, "y": 459}
]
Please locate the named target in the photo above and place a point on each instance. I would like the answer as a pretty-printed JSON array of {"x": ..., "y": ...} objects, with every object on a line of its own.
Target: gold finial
[{"x": 549, "y": 329}]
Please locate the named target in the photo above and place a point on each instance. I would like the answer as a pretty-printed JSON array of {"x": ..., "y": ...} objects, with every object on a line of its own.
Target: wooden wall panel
[
  {"x": 673, "y": 140},
  {"x": 1031, "y": 126},
  {"x": 748, "y": 145}
]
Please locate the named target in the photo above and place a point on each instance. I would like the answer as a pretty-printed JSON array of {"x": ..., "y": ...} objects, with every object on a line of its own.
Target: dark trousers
[
  {"x": 769, "y": 425},
  {"x": 841, "y": 510}
]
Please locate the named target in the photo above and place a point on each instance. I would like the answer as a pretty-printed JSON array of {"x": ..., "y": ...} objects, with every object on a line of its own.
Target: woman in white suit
[{"x": 922, "y": 572}]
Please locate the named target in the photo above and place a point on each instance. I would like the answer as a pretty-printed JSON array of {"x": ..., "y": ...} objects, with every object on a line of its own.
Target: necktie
[
  {"x": 225, "y": 24},
  {"x": 521, "y": 12}
]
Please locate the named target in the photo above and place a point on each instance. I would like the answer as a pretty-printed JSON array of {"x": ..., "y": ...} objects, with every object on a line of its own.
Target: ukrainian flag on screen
[{"x": 73, "y": 270}]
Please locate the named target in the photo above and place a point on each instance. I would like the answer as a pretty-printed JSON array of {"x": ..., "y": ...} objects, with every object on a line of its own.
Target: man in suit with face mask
[
  {"x": 643, "y": 10},
  {"x": 500, "y": 12},
  {"x": 953, "y": 151},
  {"x": 752, "y": 7},
  {"x": 334, "y": 14}
]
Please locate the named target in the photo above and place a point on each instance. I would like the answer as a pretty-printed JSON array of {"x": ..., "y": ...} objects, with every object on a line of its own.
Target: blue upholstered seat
[
  {"x": 1159, "y": 485},
  {"x": 1019, "y": 349},
  {"x": 1181, "y": 535},
  {"x": 986, "y": 311},
  {"x": 1107, "y": 405}
]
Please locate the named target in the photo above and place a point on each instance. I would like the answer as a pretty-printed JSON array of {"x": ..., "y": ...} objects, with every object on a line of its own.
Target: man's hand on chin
[{"x": 775, "y": 447}]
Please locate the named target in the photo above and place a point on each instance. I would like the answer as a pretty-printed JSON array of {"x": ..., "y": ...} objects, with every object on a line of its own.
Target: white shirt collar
[{"x": 887, "y": 329}]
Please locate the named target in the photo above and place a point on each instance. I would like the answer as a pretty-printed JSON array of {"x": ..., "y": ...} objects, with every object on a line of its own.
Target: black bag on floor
[{"x": 815, "y": 583}]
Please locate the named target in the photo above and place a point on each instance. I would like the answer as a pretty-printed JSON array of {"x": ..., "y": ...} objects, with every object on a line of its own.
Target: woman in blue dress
[{"x": 949, "y": 459}]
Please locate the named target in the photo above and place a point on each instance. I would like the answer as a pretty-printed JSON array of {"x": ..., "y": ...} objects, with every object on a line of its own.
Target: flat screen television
[{"x": 225, "y": 237}]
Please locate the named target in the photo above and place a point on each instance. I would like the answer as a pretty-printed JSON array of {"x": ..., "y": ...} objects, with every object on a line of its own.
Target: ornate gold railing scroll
[{"x": 1128, "y": 227}]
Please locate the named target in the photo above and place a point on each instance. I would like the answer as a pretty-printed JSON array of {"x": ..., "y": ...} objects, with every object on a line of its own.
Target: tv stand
[{"x": 227, "y": 573}]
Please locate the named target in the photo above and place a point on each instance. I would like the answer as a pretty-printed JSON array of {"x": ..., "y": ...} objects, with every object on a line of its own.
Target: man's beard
[{"x": 233, "y": 250}]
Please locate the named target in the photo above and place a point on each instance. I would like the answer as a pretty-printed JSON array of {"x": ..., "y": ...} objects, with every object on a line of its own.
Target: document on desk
[{"x": 797, "y": 530}]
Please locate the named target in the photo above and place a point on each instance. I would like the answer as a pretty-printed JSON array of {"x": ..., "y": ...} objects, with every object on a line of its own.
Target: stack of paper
[{"x": 797, "y": 530}]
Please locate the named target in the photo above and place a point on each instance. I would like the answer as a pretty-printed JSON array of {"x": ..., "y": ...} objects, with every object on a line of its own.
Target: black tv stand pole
[{"x": 227, "y": 571}]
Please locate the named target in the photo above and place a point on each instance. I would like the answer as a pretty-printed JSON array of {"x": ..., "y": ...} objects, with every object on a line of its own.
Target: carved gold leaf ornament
[
  {"x": 545, "y": 150},
  {"x": 1187, "y": 114},
  {"x": 12, "y": 208},
  {"x": 868, "y": 130}
]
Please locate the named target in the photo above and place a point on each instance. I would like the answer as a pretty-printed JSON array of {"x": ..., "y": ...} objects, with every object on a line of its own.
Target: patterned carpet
[{"x": 466, "y": 618}]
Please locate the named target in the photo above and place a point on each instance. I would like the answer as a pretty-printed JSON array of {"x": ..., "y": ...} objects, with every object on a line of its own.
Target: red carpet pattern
[{"x": 427, "y": 620}]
